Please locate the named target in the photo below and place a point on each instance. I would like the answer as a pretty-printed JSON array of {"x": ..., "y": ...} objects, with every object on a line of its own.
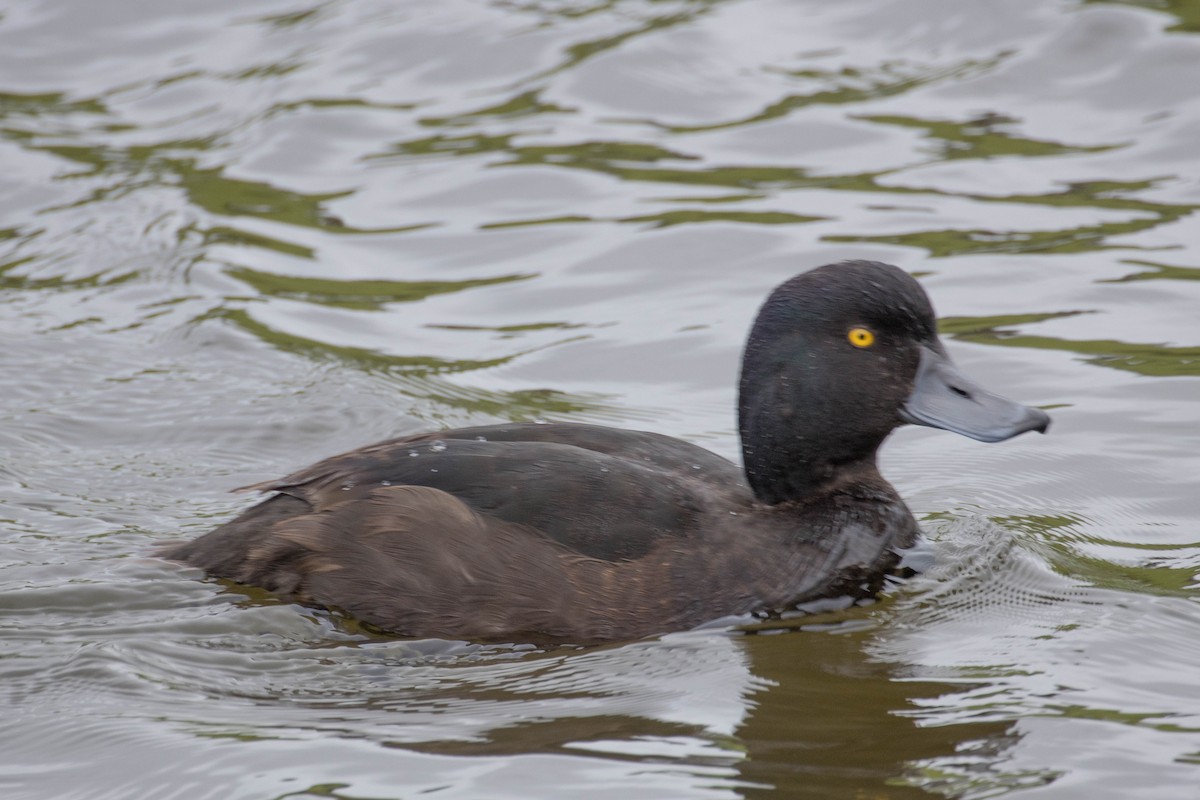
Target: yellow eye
[{"x": 861, "y": 337}]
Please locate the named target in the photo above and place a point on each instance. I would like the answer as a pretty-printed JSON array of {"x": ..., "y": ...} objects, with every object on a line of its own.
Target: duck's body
[
  {"x": 586, "y": 533},
  {"x": 556, "y": 531}
]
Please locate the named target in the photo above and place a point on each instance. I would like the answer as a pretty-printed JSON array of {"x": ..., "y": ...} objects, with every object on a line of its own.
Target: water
[{"x": 236, "y": 237}]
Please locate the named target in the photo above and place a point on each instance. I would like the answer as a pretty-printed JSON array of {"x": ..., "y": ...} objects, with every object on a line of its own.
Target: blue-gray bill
[{"x": 942, "y": 397}]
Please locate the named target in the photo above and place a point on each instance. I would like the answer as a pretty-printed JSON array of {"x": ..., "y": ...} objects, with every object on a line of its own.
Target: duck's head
[{"x": 837, "y": 359}]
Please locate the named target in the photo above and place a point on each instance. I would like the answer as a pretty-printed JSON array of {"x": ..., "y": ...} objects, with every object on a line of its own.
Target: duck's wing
[
  {"x": 643, "y": 448},
  {"x": 599, "y": 492},
  {"x": 377, "y": 555},
  {"x": 416, "y": 560}
]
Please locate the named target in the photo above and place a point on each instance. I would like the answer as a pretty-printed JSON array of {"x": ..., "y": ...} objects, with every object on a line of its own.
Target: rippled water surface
[{"x": 238, "y": 236}]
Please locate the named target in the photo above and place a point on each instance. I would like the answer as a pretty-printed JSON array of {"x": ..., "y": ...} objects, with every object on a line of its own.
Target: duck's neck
[
  {"x": 794, "y": 469},
  {"x": 798, "y": 443}
]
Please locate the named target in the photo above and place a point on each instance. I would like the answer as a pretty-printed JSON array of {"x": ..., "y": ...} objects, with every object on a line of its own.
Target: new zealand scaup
[{"x": 584, "y": 533}]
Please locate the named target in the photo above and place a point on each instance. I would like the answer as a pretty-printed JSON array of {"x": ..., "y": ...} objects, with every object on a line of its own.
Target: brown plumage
[{"x": 584, "y": 533}]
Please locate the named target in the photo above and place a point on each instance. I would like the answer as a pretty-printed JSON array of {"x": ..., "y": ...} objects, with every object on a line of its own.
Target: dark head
[{"x": 837, "y": 359}]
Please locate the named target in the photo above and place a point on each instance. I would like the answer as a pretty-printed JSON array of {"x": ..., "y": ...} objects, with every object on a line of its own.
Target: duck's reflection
[
  {"x": 835, "y": 723},
  {"x": 806, "y": 712}
]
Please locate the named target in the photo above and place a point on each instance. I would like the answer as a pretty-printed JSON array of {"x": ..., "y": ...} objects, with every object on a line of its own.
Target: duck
[{"x": 580, "y": 533}]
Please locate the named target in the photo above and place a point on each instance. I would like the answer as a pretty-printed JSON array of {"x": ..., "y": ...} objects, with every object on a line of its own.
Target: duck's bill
[{"x": 942, "y": 397}]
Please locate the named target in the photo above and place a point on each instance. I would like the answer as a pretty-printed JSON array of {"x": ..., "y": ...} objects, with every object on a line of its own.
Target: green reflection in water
[
  {"x": 597, "y": 155},
  {"x": 577, "y": 53},
  {"x": 668, "y": 218},
  {"x": 510, "y": 331},
  {"x": 644, "y": 162},
  {"x": 848, "y": 85},
  {"x": 419, "y": 377},
  {"x": 214, "y": 192},
  {"x": 173, "y": 163},
  {"x": 294, "y": 18},
  {"x": 1125, "y": 718},
  {"x": 440, "y": 145},
  {"x": 741, "y": 197},
  {"x": 600, "y": 156},
  {"x": 1156, "y": 271},
  {"x": 368, "y": 359},
  {"x": 981, "y": 138},
  {"x": 1144, "y": 359},
  {"x": 949, "y": 242},
  {"x": 337, "y": 102},
  {"x": 523, "y": 404},
  {"x": 628, "y": 162},
  {"x": 276, "y": 69},
  {"x": 965, "y": 327},
  {"x": 526, "y": 104},
  {"x": 208, "y": 188},
  {"x": 12, "y": 104},
  {"x": 1062, "y": 532},
  {"x": 327, "y": 790},
  {"x": 582, "y": 51},
  {"x": 552, "y": 9},
  {"x": 1112, "y": 195},
  {"x": 1186, "y": 11},
  {"x": 1150, "y": 579},
  {"x": 102, "y": 278},
  {"x": 239, "y": 736},
  {"x": 523, "y": 223},
  {"x": 159, "y": 83},
  {"x": 367, "y": 295},
  {"x": 222, "y": 234}
]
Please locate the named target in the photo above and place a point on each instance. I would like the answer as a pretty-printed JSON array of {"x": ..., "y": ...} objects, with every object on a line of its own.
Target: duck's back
[{"x": 602, "y": 492}]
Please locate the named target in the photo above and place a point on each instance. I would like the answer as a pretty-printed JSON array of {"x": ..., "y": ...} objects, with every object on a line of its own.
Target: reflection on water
[
  {"x": 1145, "y": 359},
  {"x": 235, "y": 238},
  {"x": 357, "y": 295}
]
